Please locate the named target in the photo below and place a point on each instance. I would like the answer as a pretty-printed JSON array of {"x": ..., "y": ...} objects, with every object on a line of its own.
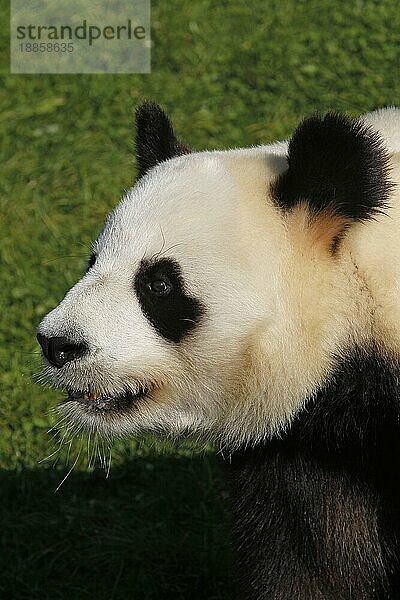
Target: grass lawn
[{"x": 229, "y": 73}]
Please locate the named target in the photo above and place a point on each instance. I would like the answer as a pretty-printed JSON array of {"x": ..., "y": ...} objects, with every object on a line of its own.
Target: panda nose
[{"x": 60, "y": 350}]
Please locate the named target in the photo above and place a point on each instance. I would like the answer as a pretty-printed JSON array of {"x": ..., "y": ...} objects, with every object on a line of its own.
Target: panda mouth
[{"x": 95, "y": 401}]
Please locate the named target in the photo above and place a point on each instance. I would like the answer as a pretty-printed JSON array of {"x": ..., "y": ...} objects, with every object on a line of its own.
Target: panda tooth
[{"x": 92, "y": 395}]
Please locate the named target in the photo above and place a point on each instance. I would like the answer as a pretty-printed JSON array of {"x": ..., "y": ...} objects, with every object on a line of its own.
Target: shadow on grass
[{"x": 155, "y": 529}]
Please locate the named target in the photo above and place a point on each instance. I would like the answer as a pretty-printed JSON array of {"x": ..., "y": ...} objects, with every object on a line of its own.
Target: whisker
[
  {"x": 109, "y": 463},
  {"x": 69, "y": 472},
  {"x": 69, "y": 450},
  {"x": 49, "y": 456},
  {"x": 60, "y": 422}
]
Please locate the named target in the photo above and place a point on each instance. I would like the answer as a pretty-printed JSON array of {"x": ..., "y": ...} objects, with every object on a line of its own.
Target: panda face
[
  {"x": 207, "y": 306},
  {"x": 172, "y": 301}
]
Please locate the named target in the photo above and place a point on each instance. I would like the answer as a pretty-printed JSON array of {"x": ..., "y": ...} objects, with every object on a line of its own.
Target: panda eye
[
  {"x": 91, "y": 262},
  {"x": 160, "y": 287},
  {"x": 169, "y": 308}
]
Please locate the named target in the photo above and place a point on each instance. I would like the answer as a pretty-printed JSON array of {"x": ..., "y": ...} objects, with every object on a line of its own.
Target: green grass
[{"x": 229, "y": 73}]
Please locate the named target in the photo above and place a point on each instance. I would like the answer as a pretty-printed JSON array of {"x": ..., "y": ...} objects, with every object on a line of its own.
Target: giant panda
[{"x": 252, "y": 297}]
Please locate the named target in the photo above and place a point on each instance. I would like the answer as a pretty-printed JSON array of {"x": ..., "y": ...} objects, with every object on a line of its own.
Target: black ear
[
  {"x": 155, "y": 138},
  {"x": 336, "y": 165}
]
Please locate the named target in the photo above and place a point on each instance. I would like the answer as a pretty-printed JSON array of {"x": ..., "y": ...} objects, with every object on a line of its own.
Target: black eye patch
[{"x": 162, "y": 297}]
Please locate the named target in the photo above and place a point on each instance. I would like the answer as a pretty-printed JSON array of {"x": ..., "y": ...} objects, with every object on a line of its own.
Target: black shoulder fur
[
  {"x": 317, "y": 512},
  {"x": 336, "y": 163}
]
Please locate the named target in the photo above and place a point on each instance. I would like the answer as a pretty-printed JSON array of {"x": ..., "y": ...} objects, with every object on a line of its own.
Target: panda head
[{"x": 220, "y": 293}]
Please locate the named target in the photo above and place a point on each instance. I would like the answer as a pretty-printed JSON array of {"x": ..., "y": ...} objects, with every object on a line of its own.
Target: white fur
[
  {"x": 278, "y": 307},
  {"x": 386, "y": 122}
]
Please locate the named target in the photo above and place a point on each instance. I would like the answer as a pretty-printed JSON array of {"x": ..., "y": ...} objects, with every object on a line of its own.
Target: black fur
[
  {"x": 155, "y": 138},
  {"x": 91, "y": 262},
  {"x": 174, "y": 315},
  {"x": 335, "y": 163},
  {"x": 317, "y": 511}
]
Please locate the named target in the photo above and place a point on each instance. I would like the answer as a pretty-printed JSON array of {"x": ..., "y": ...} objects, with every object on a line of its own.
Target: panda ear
[
  {"x": 337, "y": 166},
  {"x": 155, "y": 138}
]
